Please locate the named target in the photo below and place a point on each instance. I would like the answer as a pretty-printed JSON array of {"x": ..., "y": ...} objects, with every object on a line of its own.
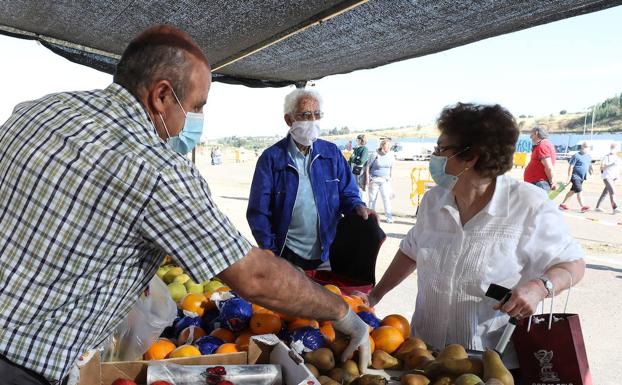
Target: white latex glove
[{"x": 353, "y": 326}]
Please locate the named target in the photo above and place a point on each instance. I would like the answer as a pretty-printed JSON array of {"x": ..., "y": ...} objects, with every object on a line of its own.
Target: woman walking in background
[
  {"x": 358, "y": 164},
  {"x": 380, "y": 168},
  {"x": 610, "y": 170}
]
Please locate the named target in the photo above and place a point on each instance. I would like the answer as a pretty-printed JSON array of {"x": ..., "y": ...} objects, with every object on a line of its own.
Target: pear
[
  {"x": 193, "y": 287},
  {"x": 212, "y": 285},
  {"x": 182, "y": 278},
  {"x": 171, "y": 274},
  {"x": 350, "y": 367},
  {"x": 494, "y": 368},
  {"x": 369, "y": 379},
  {"x": 409, "y": 345},
  {"x": 321, "y": 358},
  {"x": 383, "y": 360},
  {"x": 177, "y": 290},
  {"x": 463, "y": 366},
  {"x": 417, "y": 357},
  {"x": 163, "y": 270},
  {"x": 494, "y": 381},
  {"x": 339, "y": 345},
  {"x": 313, "y": 370},
  {"x": 325, "y": 380},
  {"x": 452, "y": 352},
  {"x": 468, "y": 379},
  {"x": 445, "y": 380},
  {"x": 341, "y": 376},
  {"x": 414, "y": 379}
]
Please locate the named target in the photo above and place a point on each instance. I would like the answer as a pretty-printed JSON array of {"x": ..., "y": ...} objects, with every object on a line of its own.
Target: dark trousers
[
  {"x": 295, "y": 259},
  {"x": 14, "y": 374}
]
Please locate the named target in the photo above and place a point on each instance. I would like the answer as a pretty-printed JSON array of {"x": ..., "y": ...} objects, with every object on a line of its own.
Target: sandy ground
[{"x": 595, "y": 298}]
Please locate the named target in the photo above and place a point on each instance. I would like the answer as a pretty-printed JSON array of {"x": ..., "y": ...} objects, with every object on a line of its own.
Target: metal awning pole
[{"x": 317, "y": 19}]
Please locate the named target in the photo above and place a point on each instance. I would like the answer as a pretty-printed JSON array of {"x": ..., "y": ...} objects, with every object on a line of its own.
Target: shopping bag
[
  {"x": 551, "y": 349},
  {"x": 560, "y": 187}
]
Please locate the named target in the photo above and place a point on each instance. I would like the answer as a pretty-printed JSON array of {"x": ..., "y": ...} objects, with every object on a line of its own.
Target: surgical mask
[
  {"x": 305, "y": 132},
  {"x": 437, "y": 172},
  {"x": 190, "y": 134}
]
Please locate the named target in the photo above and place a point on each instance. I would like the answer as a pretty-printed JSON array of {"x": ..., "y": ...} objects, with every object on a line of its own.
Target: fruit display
[{"x": 216, "y": 320}]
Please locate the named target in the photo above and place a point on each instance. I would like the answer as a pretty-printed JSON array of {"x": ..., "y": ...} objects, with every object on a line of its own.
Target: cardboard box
[{"x": 264, "y": 349}]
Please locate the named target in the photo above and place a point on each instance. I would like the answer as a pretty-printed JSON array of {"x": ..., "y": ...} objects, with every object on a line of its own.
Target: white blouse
[{"x": 514, "y": 239}]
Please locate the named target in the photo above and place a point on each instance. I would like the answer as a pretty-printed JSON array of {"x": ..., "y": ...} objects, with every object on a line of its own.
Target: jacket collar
[{"x": 319, "y": 148}]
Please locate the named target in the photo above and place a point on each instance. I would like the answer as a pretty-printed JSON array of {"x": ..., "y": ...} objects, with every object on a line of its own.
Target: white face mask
[{"x": 305, "y": 132}]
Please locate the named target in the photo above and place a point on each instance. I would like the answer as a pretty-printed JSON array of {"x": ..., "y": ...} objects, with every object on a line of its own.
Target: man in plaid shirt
[{"x": 94, "y": 192}]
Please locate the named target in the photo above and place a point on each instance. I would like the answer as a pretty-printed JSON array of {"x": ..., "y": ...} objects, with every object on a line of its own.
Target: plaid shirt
[{"x": 91, "y": 201}]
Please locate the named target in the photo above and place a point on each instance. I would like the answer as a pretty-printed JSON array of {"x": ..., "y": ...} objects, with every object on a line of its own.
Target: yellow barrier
[
  {"x": 421, "y": 181},
  {"x": 520, "y": 159},
  {"x": 346, "y": 154}
]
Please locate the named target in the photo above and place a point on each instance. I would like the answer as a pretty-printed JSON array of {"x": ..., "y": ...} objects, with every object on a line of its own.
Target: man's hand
[
  {"x": 363, "y": 212},
  {"x": 353, "y": 326},
  {"x": 553, "y": 186}
]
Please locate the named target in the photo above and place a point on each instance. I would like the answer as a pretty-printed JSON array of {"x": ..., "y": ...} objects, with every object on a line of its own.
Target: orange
[
  {"x": 225, "y": 335},
  {"x": 159, "y": 349},
  {"x": 328, "y": 331},
  {"x": 333, "y": 288},
  {"x": 194, "y": 302},
  {"x": 366, "y": 308},
  {"x": 243, "y": 340},
  {"x": 265, "y": 323},
  {"x": 227, "y": 348},
  {"x": 185, "y": 334},
  {"x": 210, "y": 305},
  {"x": 399, "y": 322},
  {"x": 300, "y": 322},
  {"x": 353, "y": 301},
  {"x": 185, "y": 351},
  {"x": 372, "y": 344},
  {"x": 285, "y": 317},
  {"x": 387, "y": 338},
  {"x": 261, "y": 309},
  {"x": 223, "y": 289}
]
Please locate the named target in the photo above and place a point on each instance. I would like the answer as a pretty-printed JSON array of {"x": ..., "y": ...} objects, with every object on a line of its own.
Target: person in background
[
  {"x": 96, "y": 190},
  {"x": 216, "y": 155},
  {"x": 380, "y": 170},
  {"x": 609, "y": 172},
  {"x": 579, "y": 165},
  {"x": 479, "y": 226},
  {"x": 358, "y": 163},
  {"x": 539, "y": 171},
  {"x": 301, "y": 188}
]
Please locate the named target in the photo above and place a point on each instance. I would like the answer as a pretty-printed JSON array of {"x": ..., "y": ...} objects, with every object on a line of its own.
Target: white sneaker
[
  {"x": 599, "y": 209},
  {"x": 616, "y": 210}
]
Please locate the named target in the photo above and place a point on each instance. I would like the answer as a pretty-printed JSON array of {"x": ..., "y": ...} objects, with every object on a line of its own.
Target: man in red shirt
[{"x": 539, "y": 171}]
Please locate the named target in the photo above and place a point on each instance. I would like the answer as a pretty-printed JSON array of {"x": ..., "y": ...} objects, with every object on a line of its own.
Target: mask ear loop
[
  {"x": 178, "y": 102},
  {"x": 165, "y": 128}
]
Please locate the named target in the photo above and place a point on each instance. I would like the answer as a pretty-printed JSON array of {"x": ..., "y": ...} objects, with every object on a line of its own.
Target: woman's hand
[
  {"x": 369, "y": 299},
  {"x": 524, "y": 300}
]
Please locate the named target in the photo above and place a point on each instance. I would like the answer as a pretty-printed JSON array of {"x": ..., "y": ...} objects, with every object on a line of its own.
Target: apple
[
  {"x": 212, "y": 285},
  {"x": 123, "y": 381},
  {"x": 182, "y": 278},
  {"x": 171, "y": 274},
  {"x": 160, "y": 383},
  {"x": 177, "y": 290},
  {"x": 193, "y": 287}
]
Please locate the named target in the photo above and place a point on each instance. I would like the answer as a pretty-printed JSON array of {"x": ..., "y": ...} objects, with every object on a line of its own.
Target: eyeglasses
[
  {"x": 309, "y": 115},
  {"x": 439, "y": 149}
]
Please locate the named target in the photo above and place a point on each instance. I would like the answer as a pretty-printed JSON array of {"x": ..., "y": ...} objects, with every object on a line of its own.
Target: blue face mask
[
  {"x": 437, "y": 172},
  {"x": 190, "y": 134}
]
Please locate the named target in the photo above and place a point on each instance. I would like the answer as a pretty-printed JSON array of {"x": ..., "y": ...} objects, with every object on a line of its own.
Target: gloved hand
[{"x": 353, "y": 326}]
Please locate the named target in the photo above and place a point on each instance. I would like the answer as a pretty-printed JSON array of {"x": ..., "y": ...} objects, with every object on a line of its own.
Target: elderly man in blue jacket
[{"x": 301, "y": 188}]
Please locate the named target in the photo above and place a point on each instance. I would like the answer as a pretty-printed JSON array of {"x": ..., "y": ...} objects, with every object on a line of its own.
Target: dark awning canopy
[{"x": 281, "y": 42}]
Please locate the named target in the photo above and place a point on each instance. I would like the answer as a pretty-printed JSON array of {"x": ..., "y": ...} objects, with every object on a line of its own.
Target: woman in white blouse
[{"x": 477, "y": 227}]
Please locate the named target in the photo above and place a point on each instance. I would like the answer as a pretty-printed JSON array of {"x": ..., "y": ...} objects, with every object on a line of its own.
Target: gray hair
[
  {"x": 291, "y": 100},
  {"x": 540, "y": 132}
]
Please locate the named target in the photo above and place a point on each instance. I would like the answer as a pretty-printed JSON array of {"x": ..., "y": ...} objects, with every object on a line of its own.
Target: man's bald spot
[{"x": 169, "y": 36}]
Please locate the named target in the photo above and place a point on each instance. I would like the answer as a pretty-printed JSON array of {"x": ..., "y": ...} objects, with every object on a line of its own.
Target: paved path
[{"x": 597, "y": 298}]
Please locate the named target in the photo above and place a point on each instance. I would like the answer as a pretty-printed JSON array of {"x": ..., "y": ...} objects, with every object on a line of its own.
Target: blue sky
[{"x": 569, "y": 64}]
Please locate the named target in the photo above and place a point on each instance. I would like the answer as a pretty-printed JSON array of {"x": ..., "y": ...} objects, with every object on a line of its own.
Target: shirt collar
[
  {"x": 499, "y": 205},
  {"x": 126, "y": 98},
  {"x": 293, "y": 149}
]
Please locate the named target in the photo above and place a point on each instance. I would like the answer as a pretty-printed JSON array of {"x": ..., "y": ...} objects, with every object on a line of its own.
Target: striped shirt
[{"x": 91, "y": 199}]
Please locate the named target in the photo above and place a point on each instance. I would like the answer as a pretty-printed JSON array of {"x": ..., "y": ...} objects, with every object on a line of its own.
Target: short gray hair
[
  {"x": 541, "y": 132},
  {"x": 291, "y": 100}
]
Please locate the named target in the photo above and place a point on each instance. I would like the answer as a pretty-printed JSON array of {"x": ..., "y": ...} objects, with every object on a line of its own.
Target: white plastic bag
[
  {"x": 154, "y": 311},
  {"x": 198, "y": 374}
]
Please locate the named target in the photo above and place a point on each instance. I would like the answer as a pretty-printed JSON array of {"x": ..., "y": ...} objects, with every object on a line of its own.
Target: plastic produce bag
[
  {"x": 212, "y": 374},
  {"x": 154, "y": 311}
]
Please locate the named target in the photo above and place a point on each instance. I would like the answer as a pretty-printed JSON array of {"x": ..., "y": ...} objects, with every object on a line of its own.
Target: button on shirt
[
  {"x": 92, "y": 199},
  {"x": 514, "y": 239},
  {"x": 302, "y": 236}
]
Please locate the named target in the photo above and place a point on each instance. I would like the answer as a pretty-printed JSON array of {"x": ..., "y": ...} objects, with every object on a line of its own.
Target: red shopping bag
[
  {"x": 345, "y": 284},
  {"x": 551, "y": 353}
]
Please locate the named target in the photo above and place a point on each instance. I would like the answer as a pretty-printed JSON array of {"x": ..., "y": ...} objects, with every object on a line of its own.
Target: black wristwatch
[{"x": 548, "y": 285}]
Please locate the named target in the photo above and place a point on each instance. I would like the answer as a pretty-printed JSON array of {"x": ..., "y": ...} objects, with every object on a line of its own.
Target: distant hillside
[{"x": 607, "y": 118}]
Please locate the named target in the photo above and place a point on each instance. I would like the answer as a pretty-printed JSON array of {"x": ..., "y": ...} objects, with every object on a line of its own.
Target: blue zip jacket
[{"x": 274, "y": 188}]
